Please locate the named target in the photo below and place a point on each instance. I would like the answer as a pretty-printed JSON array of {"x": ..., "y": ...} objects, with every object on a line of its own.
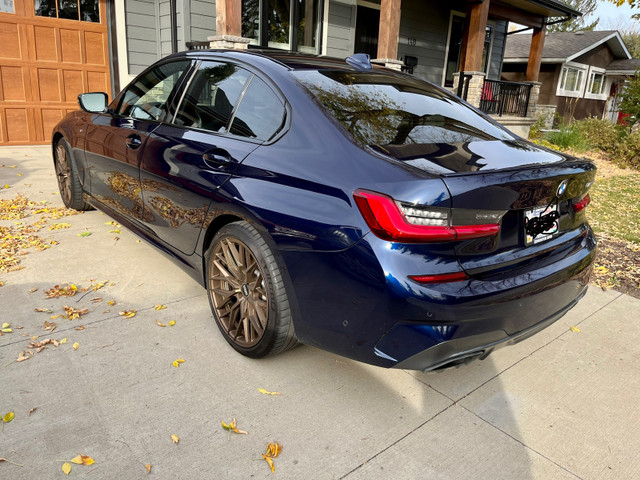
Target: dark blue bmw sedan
[{"x": 323, "y": 201}]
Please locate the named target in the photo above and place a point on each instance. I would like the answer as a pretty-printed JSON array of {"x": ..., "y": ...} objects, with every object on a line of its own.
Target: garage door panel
[
  {"x": 17, "y": 125},
  {"x": 10, "y": 40},
  {"x": 73, "y": 84},
  {"x": 48, "y": 85},
  {"x": 97, "y": 82},
  {"x": 12, "y": 80},
  {"x": 46, "y": 44},
  {"x": 71, "y": 46},
  {"x": 95, "y": 48},
  {"x": 49, "y": 120}
]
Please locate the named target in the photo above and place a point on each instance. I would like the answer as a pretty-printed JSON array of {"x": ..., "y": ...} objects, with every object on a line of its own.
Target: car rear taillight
[
  {"x": 404, "y": 222},
  {"x": 582, "y": 204}
]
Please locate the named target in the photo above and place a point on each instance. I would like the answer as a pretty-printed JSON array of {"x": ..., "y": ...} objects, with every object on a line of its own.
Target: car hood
[{"x": 479, "y": 156}]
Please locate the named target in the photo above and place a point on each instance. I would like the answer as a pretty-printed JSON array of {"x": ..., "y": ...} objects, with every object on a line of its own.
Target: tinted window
[
  {"x": 145, "y": 99},
  {"x": 212, "y": 96},
  {"x": 260, "y": 114},
  {"x": 378, "y": 109}
]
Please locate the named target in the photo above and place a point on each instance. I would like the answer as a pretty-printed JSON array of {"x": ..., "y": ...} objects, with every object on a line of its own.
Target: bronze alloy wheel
[
  {"x": 63, "y": 173},
  {"x": 238, "y": 293}
]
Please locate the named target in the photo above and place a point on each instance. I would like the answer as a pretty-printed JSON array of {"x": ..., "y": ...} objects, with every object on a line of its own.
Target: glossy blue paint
[{"x": 349, "y": 290}]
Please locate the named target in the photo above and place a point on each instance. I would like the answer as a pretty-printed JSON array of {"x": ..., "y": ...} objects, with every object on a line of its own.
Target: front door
[
  {"x": 367, "y": 29},
  {"x": 115, "y": 141}
]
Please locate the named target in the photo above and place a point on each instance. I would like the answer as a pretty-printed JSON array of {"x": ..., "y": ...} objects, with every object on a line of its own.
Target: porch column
[
  {"x": 535, "y": 54},
  {"x": 229, "y": 17},
  {"x": 473, "y": 38},
  {"x": 389, "y": 29},
  {"x": 228, "y": 26}
]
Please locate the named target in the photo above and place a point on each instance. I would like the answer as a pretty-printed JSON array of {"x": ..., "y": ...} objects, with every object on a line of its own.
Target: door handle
[
  {"x": 218, "y": 158},
  {"x": 133, "y": 141}
]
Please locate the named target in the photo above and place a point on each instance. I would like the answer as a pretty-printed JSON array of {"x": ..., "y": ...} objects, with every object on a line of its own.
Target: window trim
[
  {"x": 581, "y": 67},
  {"x": 593, "y": 71}
]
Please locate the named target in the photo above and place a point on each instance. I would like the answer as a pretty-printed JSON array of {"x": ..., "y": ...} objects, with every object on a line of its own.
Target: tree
[
  {"x": 586, "y": 7},
  {"x": 632, "y": 4},
  {"x": 629, "y": 31},
  {"x": 632, "y": 41},
  {"x": 630, "y": 103}
]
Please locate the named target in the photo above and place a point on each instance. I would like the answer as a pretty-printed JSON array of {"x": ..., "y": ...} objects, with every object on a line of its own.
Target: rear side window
[
  {"x": 260, "y": 114},
  {"x": 212, "y": 96},
  {"x": 145, "y": 99},
  {"x": 379, "y": 109}
]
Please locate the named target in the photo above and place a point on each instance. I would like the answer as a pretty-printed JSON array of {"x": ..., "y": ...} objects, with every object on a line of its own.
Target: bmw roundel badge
[{"x": 561, "y": 188}]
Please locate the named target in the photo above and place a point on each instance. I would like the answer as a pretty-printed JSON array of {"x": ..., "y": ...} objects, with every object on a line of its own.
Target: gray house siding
[
  {"x": 497, "y": 51},
  {"x": 429, "y": 27},
  {"x": 341, "y": 29},
  {"x": 142, "y": 34},
  {"x": 203, "y": 20}
]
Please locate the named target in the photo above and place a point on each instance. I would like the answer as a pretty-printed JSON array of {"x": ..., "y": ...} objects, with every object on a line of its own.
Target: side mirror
[{"x": 94, "y": 102}]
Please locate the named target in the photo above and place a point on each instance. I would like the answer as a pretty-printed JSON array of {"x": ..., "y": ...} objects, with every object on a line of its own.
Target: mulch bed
[{"x": 617, "y": 266}]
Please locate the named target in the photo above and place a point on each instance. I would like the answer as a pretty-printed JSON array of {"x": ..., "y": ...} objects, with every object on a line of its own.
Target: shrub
[
  {"x": 599, "y": 134},
  {"x": 568, "y": 136},
  {"x": 627, "y": 151}
]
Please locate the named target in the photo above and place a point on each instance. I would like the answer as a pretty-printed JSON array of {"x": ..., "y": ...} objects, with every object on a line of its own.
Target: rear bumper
[
  {"x": 455, "y": 352},
  {"x": 359, "y": 303}
]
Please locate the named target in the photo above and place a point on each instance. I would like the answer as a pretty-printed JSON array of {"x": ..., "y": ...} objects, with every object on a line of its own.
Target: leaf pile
[
  {"x": 17, "y": 238},
  {"x": 617, "y": 266}
]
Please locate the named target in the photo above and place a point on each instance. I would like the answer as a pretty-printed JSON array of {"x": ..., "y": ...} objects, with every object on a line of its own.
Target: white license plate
[{"x": 547, "y": 234}]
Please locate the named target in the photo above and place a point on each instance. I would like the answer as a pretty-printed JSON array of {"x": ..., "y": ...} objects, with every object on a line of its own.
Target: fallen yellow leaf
[
  {"x": 177, "y": 362},
  {"x": 75, "y": 346},
  {"x": 6, "y": 325},
  {"x": 6, "y": 330},
  {"x": 66, "y": 468},
  {"x": 172, "y": 323},
  {"x": 63, "y": 341},
  {"x": 232, "y": 427},
  {"x": 160, "y": 307},
  {"x": 111, "y": 303},
  {"x": 8, "y": 417},
  {"x": 575, "y": 329},
  {"x": 127, "y": 313},
  {"x": 83, "y": 460},
  {"x": 175, "y": 438},
  {"x": 160, "y": 324},
  {"x": 270, "y": 462},
  {"x": 266, "y": 392},
  {"x": 148, "y": 467}
]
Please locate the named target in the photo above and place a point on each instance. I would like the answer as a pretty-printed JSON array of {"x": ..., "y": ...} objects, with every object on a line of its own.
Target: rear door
[
  {"x": 225, "y": 113},
  {"x": 115, "y": 141}
]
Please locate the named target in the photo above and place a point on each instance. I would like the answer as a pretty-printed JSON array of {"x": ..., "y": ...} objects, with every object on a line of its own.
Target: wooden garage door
[{"x": 46, "y": 60}]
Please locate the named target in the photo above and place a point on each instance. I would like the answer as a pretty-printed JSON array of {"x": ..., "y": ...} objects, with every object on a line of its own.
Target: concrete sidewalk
[{"x": 561, "y": 404}]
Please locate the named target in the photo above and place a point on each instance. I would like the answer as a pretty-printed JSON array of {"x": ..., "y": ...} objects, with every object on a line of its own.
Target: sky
[{"x": 610, "y": 15}]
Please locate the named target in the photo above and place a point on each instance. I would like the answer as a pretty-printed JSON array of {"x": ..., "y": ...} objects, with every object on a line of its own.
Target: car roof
[{"x": 290, "y": 60}]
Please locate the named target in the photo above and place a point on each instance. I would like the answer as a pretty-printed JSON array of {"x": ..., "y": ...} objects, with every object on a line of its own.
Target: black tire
[
  {"x": 247, "y": 293},
  {"x": 67, "y": 176}
]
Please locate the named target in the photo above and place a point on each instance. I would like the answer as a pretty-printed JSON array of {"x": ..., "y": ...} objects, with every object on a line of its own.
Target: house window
[
  {"x": 7, "y": 6},
  {"x": 286, "y": 24},
  {"x": 84, "y": 10},
  {"x": 596, "y": 86},
  {"x": 572, "y": 80}
]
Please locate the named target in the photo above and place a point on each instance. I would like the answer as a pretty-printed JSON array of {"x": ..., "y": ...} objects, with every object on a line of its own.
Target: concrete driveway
[{"x": 563, "y": 404}]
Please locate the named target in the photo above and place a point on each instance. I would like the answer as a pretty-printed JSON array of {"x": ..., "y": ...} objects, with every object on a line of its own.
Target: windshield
[{"x": 379, "y": 109}]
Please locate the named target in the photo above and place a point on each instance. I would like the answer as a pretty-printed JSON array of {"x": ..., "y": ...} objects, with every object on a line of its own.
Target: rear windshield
[{"x": 379, "y": 109}]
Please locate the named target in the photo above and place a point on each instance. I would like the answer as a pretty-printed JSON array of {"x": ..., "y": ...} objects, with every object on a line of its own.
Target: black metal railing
[
  {"x": 505, "y": 98},
  {"x": 463, "y": 85},
  {"x": 197, "y": 45}
]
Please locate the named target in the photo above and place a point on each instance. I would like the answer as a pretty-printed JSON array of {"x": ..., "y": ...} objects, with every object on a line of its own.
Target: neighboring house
[
  {"x": 581, "y": 72},
  {"x": 73, "y": 46}
]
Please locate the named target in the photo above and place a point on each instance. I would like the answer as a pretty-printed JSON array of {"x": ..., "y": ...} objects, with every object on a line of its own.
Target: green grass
[{"x": 615, "y": 207}]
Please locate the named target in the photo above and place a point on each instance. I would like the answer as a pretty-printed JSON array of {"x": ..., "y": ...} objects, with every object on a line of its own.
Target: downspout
[
  {"x": 174, "y": 26},
  {"x": 113, "y": 49}
]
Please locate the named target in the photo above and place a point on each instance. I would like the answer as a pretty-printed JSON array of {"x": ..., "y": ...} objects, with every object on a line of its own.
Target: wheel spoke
[{"x": 238, "y": 293}]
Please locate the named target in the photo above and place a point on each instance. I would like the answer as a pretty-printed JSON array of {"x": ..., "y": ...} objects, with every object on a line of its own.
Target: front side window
[
  {"x": 146, "y": 98},
  {"x": 84, "y": 10},
  {"x": 212, "y": 96},
  {"x": 379, "y": 111},
  {"x": 571, "y": 81}
]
